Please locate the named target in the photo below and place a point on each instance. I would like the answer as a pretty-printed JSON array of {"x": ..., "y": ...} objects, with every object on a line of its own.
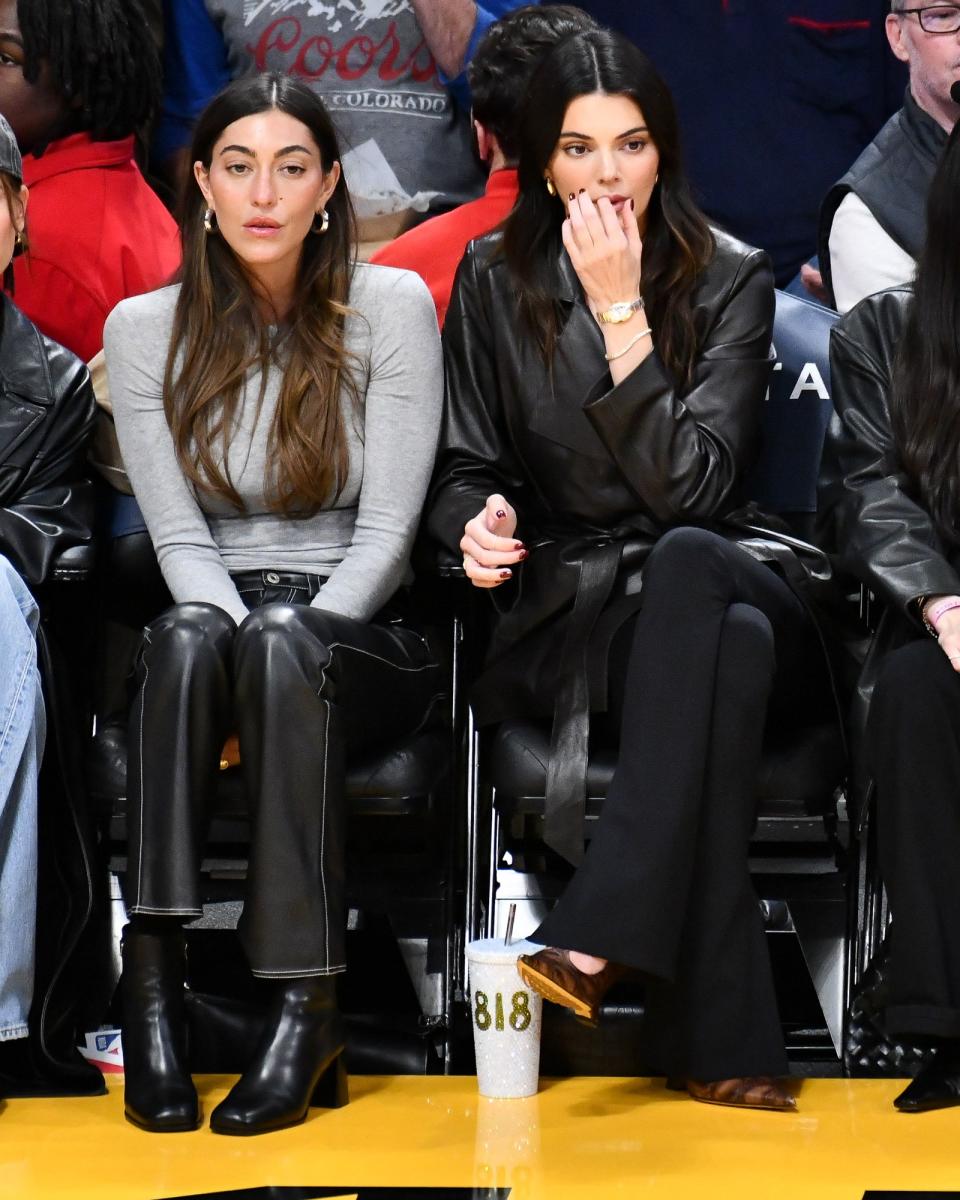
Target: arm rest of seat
[{"x": 75, "y": 564}]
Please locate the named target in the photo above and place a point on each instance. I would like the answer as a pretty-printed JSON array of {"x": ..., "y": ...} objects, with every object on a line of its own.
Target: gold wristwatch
[{"x": 622, "y": 311}]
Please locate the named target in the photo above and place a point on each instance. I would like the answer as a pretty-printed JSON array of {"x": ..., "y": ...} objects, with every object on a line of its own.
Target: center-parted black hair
[
  {"x": 677, "y": 244},
  {"x": 506, "y": 58},
  {"x": 102, "y": 58}
]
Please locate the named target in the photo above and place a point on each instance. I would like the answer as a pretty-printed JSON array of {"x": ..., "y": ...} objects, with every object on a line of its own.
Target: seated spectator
[
  {"x": 278, "y": 412},
  {"x": 46, "y": 413},
  {"x": 498, "y": 75},
  {"x": 775, "y": 100},
  {"x": 873, "y": 222},
  {"x": 890, "y": 506},
  {"x": 404, "y": 126},
  {"x": 606, "y": 358},
  {"x": 80, "y": 81}
]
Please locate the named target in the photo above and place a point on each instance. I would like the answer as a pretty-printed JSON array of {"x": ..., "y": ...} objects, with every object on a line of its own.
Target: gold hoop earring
[
  {"x": 550, "y": 188},
  {"x": 19, "y": 243},
  {"x": 324, "y": 223},
  {"x": 210, "y": 221}
]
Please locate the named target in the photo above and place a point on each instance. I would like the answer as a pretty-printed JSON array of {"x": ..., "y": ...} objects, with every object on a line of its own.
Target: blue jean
[{"x": 22, "y": 732}]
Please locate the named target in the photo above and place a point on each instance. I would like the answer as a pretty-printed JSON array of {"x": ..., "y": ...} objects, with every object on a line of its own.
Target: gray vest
[{"x": 892, "y": 178}]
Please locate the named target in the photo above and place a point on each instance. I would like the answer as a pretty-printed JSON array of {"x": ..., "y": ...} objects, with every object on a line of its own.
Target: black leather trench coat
[
  {"x": 47, "y": 411},
  {"x": 596, "y": 472},
  {"x": 876, "y": 531}
]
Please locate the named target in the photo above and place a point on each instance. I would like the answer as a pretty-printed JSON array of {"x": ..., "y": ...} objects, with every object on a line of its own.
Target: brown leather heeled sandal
[
  {"x": 551, "y": 973},
  {"x": 750, "y": 1091}
]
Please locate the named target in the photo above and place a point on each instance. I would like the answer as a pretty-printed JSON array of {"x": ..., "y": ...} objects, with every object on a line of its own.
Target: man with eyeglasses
[{"x": 873, "y": 222}]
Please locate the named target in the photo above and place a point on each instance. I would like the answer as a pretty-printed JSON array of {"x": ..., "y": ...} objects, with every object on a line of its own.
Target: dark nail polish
[
  {"x": 518, "y": 545},
  {"x": 632, "y": 205},
  {"x": 523, "y": 554},
  {"x": 582, "y": 190},
  {"x": 505, "y": 574},
  {"x": 500, "y": 514},
  {"x": 571, "y": 195}
]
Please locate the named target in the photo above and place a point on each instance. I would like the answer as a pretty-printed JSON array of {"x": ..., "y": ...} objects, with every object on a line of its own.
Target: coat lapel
[{"x": 578, "y": 368}]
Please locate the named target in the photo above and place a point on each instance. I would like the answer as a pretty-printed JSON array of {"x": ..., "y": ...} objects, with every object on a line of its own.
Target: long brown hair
[
  {"x": 219, "y": 336},
  {"x": 678, "y": 243}
]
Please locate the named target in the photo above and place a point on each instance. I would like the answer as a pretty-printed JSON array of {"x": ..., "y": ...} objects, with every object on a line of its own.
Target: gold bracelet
[{"x": 630, "y": 345}]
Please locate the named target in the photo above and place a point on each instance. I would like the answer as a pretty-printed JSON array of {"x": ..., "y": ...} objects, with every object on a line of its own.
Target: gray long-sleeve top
[{"x": 361, "y": 542}]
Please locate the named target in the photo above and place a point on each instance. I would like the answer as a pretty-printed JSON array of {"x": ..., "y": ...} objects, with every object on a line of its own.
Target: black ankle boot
[
  {"x": 298, "y": 1062},
  {"x": 158, "y": 1092},
  {"x": 937, "y": 1083}
]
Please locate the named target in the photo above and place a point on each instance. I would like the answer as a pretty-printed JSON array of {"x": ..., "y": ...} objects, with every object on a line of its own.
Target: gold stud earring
[
  {"x": 324, "y": 223},
  {"x": 210, "y": 221},
  {"x": 550, "y": 188}
]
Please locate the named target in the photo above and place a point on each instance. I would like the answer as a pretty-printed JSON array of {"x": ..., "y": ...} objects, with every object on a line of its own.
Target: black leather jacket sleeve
[
  {"x": 665, "y": 456},
  {"x": 474, "y": 460},
  {"x": 871, "y": 523},
  {"x": 685, "y": 457},
  {"x": 46, "y": 498}
]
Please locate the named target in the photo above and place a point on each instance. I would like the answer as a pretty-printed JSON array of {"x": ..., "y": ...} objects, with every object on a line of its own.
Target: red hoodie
[{"x": 97, "y": 234}]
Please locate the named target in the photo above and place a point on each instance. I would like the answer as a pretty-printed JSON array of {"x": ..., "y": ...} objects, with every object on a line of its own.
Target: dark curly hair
[{"x": 102, "y": 58}]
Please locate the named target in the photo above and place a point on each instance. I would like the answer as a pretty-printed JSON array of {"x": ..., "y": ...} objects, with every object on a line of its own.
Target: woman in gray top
[{"x": 278, "y": 413}]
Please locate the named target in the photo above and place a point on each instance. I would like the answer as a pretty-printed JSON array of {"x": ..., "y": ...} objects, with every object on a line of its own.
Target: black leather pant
[{"x": 303, "y": 689}]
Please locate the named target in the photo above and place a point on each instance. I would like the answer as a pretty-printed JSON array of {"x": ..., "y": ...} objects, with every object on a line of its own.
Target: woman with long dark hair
[
  {"x": 607, "y": 359},
  {"x": 890, "y": 505},
  {"x": 278, "y": 411}
]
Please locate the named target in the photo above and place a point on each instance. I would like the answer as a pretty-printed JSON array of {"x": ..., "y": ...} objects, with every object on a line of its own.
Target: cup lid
[{"x": 495, "y": 950}]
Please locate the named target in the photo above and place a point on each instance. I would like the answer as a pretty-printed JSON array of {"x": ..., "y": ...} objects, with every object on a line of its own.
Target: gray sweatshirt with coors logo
[{"x": 407, "y": 146}]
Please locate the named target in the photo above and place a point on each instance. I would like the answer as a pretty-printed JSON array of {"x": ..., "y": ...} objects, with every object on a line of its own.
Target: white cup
[{"x": 506, "y": 1017}]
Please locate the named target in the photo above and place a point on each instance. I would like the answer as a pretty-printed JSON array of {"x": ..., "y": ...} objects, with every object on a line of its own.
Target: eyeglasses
[{"x": 940, "y": 18}]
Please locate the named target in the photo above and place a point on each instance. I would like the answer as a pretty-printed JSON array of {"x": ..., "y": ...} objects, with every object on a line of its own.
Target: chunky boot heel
[
  {"x": 298, "y": 1062},
  {"x": 158, "y": 1092},
  {"x": 333, "y": 1089}
]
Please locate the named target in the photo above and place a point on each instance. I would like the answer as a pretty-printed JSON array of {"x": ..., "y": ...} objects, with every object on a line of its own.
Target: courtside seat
[
  {"x": 397, "y": 781},
  {"x": 798, "y": 771},
  {"x": 798, "y": 849}
]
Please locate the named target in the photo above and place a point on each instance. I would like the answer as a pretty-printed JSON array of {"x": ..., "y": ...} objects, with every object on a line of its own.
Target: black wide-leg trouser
[
  {"x": 913, "y": 744},
  {"x": 720, "y": 642},
  {"x": 303, "y": 689}
]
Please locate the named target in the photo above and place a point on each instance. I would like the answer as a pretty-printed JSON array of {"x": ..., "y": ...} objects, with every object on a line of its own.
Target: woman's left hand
[{"x": 605, "y": 249}]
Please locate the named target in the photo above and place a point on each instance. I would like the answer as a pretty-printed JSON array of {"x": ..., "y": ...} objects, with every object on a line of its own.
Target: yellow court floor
[{"x": 435, "y": 1139}]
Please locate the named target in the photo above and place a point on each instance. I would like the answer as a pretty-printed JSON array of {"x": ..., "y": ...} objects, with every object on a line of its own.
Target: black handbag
[{"x": 868, "y": 1050}]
